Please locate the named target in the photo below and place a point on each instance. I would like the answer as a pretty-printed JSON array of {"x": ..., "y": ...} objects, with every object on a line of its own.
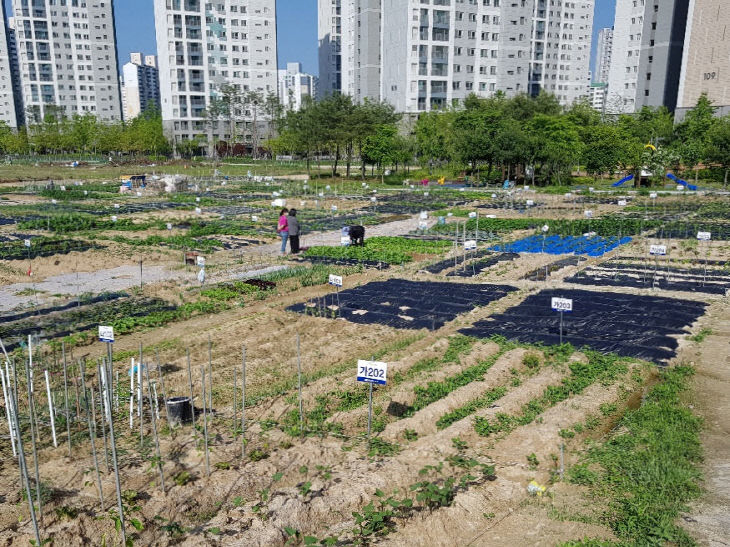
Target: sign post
[
  {"x": 657, "y": 251},
  {"x": 371, "y": 372},
  {"x": 561, "y": 305},
  {"x": 336, "y": 281},
  {"x": 705, "y": 236}
]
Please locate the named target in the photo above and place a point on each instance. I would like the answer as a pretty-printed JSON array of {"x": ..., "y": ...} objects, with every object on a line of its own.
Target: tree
[
  {"x": 718, "y": 150},
  {"x": 557, "y": 144},
  {"x": 380, "y": 148},
  {"x": 431, "y": 133},
  {"x": 694, "y": 132}
]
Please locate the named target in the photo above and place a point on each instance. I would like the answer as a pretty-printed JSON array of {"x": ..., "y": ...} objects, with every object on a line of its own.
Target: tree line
[
  {"x": 487, "y": 138},
  {"x": 86, "y": 134}
]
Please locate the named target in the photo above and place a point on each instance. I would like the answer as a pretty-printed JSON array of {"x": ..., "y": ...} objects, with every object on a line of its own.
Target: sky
[{"x": 297, "y": 29}]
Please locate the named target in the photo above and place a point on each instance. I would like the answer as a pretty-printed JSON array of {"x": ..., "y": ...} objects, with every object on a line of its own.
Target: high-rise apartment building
[
  {"x": 360, "y": 49},
  {"x": 330, "y": 39},
  {"x": 8, "y": 113},
  {"x": 604, "y": 50},
  {"x": 141, "y": 89},
  {"x": 597, "y": 96},
  {"x": 295, "y": 85},
  {"x": 706, "y": 61},
  {"x": 647, "y": 54},
  {"x": 437, "y": 52},
  {"x": 205, "y": 46},
  {"x": 15, "y": 72},
  {"x": 67, "y": 55}
]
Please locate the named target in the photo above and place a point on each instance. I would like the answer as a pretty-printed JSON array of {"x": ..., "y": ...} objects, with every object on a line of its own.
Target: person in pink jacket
[{"x": 283, "y": 229}]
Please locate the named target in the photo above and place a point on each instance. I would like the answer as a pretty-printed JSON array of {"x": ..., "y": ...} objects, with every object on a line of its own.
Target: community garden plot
[
  {"x": 404, "y": 304},
  {"x": 476, "y": 267},
  {"x": 646, "y": 274},
  {"x": 541, "y": 274},
  {"x": 645, "y": 327}
]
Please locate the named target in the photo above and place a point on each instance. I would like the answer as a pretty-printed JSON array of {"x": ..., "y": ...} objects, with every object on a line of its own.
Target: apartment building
[
  {"x": 204, "y": 46},
  {"x": 295, "y": 86},
  {"x": 604, "y": 51},
  {"x": 437, "y": 52},
  {"x": 706, "y": 60},
  {"x": 647, "y": 54},
  {"x": 597, "y": 96},
  {"x": 15, "y": 72},
  {"x": 329, "y": 32},
  {"x": 360, "y": 49},
  {"x": 8, "y": 113},
  {"x": 141, "y": 88},
  {"x": 67, "y": 56}
]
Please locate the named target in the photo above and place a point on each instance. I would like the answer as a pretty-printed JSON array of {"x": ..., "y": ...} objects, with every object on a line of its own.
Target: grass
[
  {"x": 700, "y": 336},
  {"x": 650, "y": 471}
]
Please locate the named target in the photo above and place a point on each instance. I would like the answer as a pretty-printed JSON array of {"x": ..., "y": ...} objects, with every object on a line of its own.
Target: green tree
[
  {"x": 556, "y": 143},
  {"x": 380, "y": 148},
  {"x": 718, "y": 150},
  {"x": 694, "y": 133}
]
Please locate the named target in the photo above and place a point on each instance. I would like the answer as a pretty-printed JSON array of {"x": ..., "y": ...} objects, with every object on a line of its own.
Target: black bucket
[{"x": 179, "y": 410}]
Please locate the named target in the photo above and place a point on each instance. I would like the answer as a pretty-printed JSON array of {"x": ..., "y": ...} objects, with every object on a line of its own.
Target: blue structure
[
  {"x": 560, "y": 245},
  {"x": 681, "y": 182},
  {"x": 623, "y": 180}
]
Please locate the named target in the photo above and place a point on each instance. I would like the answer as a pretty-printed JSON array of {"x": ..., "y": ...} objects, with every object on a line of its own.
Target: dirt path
[
  {"x": 128, "y": 276},
  {"x": 708, "y": 521}
]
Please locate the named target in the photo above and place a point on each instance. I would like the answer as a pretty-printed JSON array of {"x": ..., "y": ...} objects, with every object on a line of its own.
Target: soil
[
  {"x": 313, "y": 483},
  {"x": 708, "y": 520}
]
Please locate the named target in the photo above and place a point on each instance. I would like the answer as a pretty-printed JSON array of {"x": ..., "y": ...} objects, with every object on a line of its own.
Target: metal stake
[
  {"x": 301, "y": 405},
  {"x": 65, "y": 397},
  {"x": 190, "y": 381},
  {"x": 205, "y": 422},
  {"x": 154, "y": 431},
  {"x": 243, "y": 406},
  {"x": 92, "y": 437}
]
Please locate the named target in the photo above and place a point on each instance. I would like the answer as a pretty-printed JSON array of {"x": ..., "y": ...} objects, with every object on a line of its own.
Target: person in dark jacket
[{"x": 294, "y": 229}]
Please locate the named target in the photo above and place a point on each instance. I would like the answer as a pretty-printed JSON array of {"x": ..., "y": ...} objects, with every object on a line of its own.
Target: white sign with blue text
[
  {"x": 106, "y": 334},
  {"x": 562, "y": 304},
  {"x": 372, "y": 372}
]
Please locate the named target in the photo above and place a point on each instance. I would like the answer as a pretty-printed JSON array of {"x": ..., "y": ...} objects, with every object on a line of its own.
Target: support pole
[
  {"x": 243, "y": 405},
  {"x": 65, "y": 397},
  {"x": 299, "y": 373}
]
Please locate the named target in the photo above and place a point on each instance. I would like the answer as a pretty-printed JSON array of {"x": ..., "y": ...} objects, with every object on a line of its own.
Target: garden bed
[
  {"x": 644, "y": 327},
  {"x": 404, "y": 304}
]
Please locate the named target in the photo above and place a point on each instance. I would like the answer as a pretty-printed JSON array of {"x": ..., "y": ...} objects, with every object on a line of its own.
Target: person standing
[
  {"x": 283, "y": 229},
  {"x": 293, "y": 224}
]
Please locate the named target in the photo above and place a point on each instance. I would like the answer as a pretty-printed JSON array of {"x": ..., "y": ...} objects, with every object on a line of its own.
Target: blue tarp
[{"x": 560, "y": 245}]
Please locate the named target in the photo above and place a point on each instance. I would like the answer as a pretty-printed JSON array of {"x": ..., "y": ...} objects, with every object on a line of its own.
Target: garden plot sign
[
  {"x": 561, "y": 304},
  {"x": 335, "y": 280},
  {"x": 658, "y": 250},
  {"x": 106, "y": 334},
  {"x": 470, "y": 245},
  {"x": 704, "y": 236},
  {"x": 372, "y": 372}
]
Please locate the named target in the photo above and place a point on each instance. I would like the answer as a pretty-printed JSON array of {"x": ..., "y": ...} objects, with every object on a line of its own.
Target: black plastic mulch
[
  {"x": 648, "y": 276},
  {"x": 475, "y": 268},
  {"x": 452, "y": 262},
  {"x": 643, "y": 327},
  {"x": 378, "y": 265},
  {"x": 405, "y": 304}
]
